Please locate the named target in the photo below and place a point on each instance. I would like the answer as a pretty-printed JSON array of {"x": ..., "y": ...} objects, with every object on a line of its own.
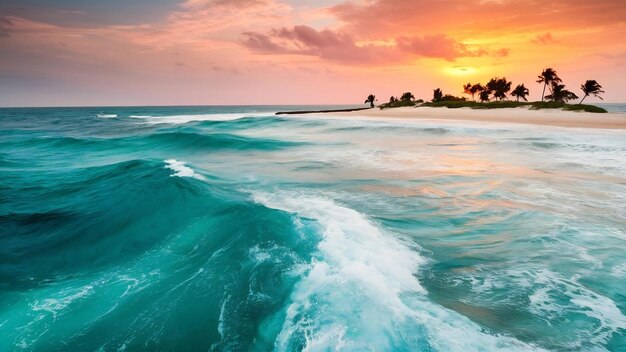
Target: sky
[{"x": 225, "y": 52}]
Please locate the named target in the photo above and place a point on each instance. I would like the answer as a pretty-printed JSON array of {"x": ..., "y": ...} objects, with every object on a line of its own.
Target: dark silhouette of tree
[
  {"x": 467, "y": 89},
  {"x": 370, "y": 99},
  {"x": 591, "y": 87},
  {"x": 560, "y": 94},
  {"x": 520, "y": 92},
  {"x": 437, "y": 95},
  {"x": 499, "y": 87},
  {"x": 484, "y": 95},
  {"x": 408, "y": 96},
  {"x": 393, "y": 99},
  {"x": 548, "y": 77},
  {"x": 476, "y": 88}
]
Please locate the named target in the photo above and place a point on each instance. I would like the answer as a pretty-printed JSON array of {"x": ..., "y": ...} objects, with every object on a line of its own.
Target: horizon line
[{"x": 207, "y": 105}]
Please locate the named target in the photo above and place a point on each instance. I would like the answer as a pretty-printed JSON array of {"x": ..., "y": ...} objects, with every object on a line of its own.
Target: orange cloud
[
  {"x": 341, "y": 47},
  {"x": 545, "y": 39}
]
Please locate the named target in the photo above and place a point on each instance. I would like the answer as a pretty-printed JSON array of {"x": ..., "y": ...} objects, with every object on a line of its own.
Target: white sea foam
[
  {"x": 107, "y": 116},
  {"x": 554, "y": 297},
  {"x": 56, "y": 304},
  {"x": 182, "y": 170},
  {"x": 181, "y": 119},
  {"x": 361, "y": 291}
]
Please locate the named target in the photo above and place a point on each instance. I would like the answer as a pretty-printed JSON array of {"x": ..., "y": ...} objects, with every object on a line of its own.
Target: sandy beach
[{"x": 550, "y": 117}]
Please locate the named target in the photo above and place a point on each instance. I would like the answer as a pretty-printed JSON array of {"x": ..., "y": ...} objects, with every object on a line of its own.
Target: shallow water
[{"x": 228, "y": 228}]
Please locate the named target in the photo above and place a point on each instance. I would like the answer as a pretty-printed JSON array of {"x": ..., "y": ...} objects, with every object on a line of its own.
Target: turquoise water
[
  {"x": 231, "y": 229},
  {"x": 612, "y": 107}
]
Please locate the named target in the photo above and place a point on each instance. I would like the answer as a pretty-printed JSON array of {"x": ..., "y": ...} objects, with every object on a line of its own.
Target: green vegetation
[
  {"x": 397, "y": 104},
  {"x": 520, "y": 92},
  {"x": 370, "y": 100},
  {"x": 548, "y": 77},
  {"x": 408, "y": 96},
  {"x": 406, "y": 99},
  {"x": 472, "y": 89},
  {"x": 537, "y": 105},
  {"x": 560, "y": 94},
  {"x": 591, "y": 87},
  {"x": 499, "y": 86},
  {"x": 438, "y": 96},
  {"x": 493, "y": 95}
]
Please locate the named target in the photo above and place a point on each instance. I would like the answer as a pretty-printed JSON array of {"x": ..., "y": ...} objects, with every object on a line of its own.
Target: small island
[{"x": 494, "y": 95}]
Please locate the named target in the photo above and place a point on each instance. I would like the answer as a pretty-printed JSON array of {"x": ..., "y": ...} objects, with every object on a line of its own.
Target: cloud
[
  {"x": 382, "y": 18},
  {"x": 436, "y": 46},
  {"x": 325, "y": 44},
  {"x": 261, "y": 43},
  {"x": 503, "y": 52},
  {"x": 195, "y": 4},
  {"x": 545, "y": 39},
  {"x": 342, "y": 47},
  {"x": 5, "y": 23}
]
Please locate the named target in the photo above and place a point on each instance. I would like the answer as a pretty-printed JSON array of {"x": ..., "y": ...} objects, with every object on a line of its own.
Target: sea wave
[
  {"x": 182, "y": 170},
  {"x": 198, "y": 141},
  {"x": 387, "y": 307},
  {"x": 182, "y": 119},
  {"x": 102, "y": 222}
]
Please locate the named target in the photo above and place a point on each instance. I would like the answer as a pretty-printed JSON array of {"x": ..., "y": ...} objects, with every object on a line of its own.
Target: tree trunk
[
  {"x": 544, "y": 90},
  {"x": 581, "y": 100}
]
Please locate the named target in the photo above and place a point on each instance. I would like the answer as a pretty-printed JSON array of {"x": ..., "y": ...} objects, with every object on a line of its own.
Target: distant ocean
[
  {"x": 612, "y": 107},
  {"x": 232, "y": 229}
]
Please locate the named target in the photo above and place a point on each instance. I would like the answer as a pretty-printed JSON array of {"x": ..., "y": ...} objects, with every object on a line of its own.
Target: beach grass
[
  {"x": 535, "y": 105},
  {"x": 399, "y": 104}
]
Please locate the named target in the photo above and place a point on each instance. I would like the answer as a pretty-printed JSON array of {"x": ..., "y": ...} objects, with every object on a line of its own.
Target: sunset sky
[{"x": 168, "y": 52}]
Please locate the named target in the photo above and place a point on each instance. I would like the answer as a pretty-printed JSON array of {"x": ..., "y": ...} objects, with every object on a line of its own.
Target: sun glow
[{"x": 460, "y": 70}]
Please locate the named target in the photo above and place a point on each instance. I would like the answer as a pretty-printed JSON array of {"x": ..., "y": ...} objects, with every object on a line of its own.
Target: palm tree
[
  {"x": 467, "y": 89},
  {"x": 484, "y": 95},
  {"x": 370, "y": 99},
  {"x": 520, "y": 92},
  {"x": 408, "y": 96},
  {"x": 560, "y": 94},
  {"x": 437, "y": 95},
  {"x": 499, "y": 87},
  {"x": 476, "y": 88},
  {"x": 591, "y": 87},
  {"x": 548, "y": 76}
]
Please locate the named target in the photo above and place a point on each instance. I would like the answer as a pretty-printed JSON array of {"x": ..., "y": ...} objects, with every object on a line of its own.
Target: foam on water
[
  {"x": 555, "y": 298},
  {"x": 182, "y": 170},
  {"x": 182, "y": 119},
  {"x": 386, "y": 308},
  {"x": 105, "y": 116}
]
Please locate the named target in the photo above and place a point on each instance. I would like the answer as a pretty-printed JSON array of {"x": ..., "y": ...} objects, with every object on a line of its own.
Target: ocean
[{"x": 232, "y": 229}]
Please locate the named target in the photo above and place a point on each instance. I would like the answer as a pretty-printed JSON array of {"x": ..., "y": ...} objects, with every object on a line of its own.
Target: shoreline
[
  {"x": 548, "y": 117},
  {"x": 320, "y": 111}
]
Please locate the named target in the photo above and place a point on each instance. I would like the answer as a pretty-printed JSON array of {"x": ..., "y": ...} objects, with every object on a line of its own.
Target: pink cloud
[
  {"x": 5, "y": 23},
  {"x": 342, "y": 47},
  {"x": 436, "y": 46},
  {"x": 191, "y": 4},
  {"x": 261, "y": 43}
]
